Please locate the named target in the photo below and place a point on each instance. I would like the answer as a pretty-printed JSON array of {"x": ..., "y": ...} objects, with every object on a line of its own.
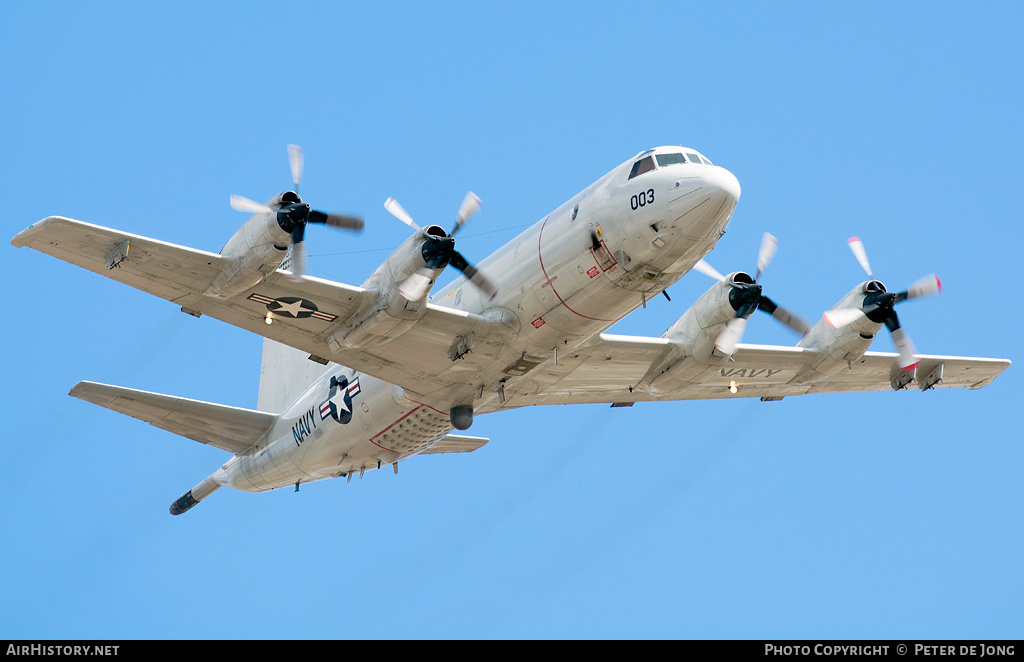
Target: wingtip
[{"x": 20, "y": 240}]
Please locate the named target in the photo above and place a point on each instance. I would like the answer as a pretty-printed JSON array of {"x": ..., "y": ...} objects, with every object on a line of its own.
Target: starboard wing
[{"x": 611, "y": 369}]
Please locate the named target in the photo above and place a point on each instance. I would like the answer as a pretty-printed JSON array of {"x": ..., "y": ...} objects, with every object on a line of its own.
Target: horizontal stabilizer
[
  {"x": 456, "y": 443},
  {"x": 229, "y": 428}
]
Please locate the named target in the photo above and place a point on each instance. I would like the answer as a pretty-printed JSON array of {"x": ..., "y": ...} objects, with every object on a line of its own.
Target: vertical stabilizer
[{"x": 285, "y": 374}]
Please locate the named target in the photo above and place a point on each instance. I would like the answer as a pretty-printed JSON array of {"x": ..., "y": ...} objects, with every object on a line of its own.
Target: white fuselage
[{"x": 567, "y": 278}]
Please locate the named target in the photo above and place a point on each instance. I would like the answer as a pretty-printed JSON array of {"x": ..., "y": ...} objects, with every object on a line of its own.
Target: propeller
[
  {"x": 439, "y": 251},
  {"x": 878, "y": 306},
  {"x": 295, "y": 162},
  {"x": 293, "y": 215},
  {"x": 746, "y": 297}
]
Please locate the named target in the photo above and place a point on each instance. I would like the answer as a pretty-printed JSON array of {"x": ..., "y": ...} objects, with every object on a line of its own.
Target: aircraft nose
[
  {"x": 723, "y": 183},
  {"x": 704, "y": 204}
]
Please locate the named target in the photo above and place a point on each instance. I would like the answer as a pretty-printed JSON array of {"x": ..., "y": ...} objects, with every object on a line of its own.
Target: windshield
[
  {"x": 669, "y": 159},
  {"x": 645, "y": 164}
]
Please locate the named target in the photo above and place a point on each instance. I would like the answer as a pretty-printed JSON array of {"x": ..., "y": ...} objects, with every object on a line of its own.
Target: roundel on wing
[{"x": 292, "y": 307}]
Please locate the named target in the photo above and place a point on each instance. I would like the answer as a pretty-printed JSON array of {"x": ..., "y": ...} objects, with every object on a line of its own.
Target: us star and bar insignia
[{"x": 294, "y": 307}]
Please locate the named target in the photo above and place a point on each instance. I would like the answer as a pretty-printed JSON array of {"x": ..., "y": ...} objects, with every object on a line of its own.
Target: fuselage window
[
  {"x": 669, "y": 159},
  {"x": 645, "y": 164}
]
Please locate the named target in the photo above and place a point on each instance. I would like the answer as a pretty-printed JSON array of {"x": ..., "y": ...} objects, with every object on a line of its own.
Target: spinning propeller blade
[
  {"x": 878, "y": 306},
  {"x": 842, "y": 316},
  {"x": 470, "y": 206},
  {"x": 924, "y": 287},
  {"x": 474, "y": 275},
  {"x": 239, "y": 203},
  {"x": 399, "y": 212},
  {"x": 415, "y": 286},
  {"x": 336, "y": 220},
  {"x": 731, "y": 335},
  {"x": 769, "y": 245},
  {"x": 294, "y": 216},
  {"x": 295, "y": 160},
  {"x": 298, "y": 263},
  {"x": 857, "y": 246},
  {"x": 746, "y": 297},
  {"x": 441, "y": 252},
  {"x": 708, "y": 270}
]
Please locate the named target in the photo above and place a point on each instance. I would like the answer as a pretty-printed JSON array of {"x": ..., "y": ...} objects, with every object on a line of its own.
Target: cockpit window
[
  {"x": 693, "y": 158},
  {"x": 669, "y": 159},
  {"x": 645, "y": 164}
]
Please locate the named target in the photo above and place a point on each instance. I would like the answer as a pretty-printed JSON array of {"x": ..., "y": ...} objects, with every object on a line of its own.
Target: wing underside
[
  {"x": 416, "y": 360},
  {"x": 230, "y": 428},
  {"x": 607, "y": 369},
  {"x": 611, "y": 369}
]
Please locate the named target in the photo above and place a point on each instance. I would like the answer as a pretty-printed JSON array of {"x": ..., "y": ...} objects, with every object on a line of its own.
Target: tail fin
[{"x": 285, "y": 374}]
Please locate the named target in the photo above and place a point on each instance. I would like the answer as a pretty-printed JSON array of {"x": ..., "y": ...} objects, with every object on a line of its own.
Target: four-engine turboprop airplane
[{"x": 522, "y": 328}]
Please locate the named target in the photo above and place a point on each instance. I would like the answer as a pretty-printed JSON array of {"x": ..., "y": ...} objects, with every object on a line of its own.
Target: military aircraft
[{"x": 356, "y": 378}]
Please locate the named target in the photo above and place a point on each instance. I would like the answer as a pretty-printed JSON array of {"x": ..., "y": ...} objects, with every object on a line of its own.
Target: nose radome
[{"x": 721, "y": 180}]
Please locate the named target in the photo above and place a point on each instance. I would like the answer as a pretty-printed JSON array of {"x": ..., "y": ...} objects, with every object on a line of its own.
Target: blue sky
[{"x": 881, "y": 515}]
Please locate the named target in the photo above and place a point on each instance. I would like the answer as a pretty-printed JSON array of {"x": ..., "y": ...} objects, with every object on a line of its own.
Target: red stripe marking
[
  {"x": 550, "y": 279},
  {"x": 400, "y": 419}
]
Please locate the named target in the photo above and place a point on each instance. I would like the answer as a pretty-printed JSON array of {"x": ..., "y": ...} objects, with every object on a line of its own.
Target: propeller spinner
[
  {"x": 439, "y": 251},
  {"x": 746, "y": 297},
  {"x": 294, "y": 214},
  {"x": 878, "y": 306}
]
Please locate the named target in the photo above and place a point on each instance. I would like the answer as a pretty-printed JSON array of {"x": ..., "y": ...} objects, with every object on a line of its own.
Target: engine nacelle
[
  {"x": 257, "y": 249},
  {"x": 842, "y": 345},
  {"x": 391, "y": 314},
  {"x": 694, "y": 358}
]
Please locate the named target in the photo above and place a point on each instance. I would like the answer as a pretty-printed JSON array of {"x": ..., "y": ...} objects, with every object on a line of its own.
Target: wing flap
[
  {"x": 455, "y": 443},
  {"x": 229, "y": 428}
]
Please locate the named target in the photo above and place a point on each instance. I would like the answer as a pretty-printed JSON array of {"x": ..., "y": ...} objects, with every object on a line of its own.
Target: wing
[
  {"x": 229, "y": 428},
  {"x": 157, "y": 267},
  {"x": 306, "y": 313},
  {"x": 609, "y": 369},
  {"x": 455, "y": 443}
]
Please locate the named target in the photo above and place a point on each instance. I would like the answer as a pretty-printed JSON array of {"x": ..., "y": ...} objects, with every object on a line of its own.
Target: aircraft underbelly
[{"x": 374, "y": 426}]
